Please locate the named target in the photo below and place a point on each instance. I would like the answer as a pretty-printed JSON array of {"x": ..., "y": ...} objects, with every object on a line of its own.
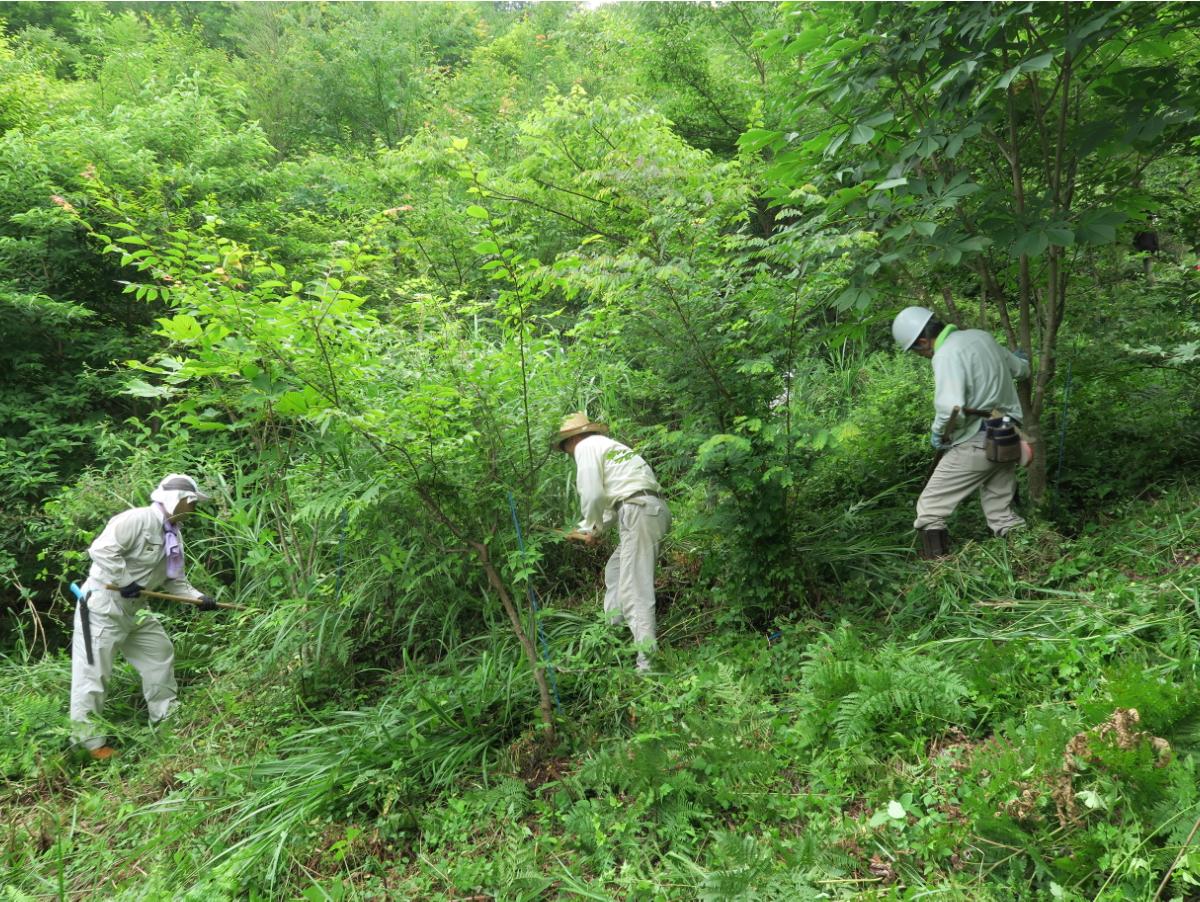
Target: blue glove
[
  {"x": 133, "y": 590},
  {"x": 936, "y": 441},
  {"x": 1020, "y": 354}
]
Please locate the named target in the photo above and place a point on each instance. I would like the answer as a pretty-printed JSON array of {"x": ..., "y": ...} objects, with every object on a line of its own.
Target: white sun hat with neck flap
[{"x": 175, "y": 488}]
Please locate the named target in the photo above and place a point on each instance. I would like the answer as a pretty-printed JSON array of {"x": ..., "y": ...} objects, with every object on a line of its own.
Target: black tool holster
[
  {"x": 935, "y": 543},
  {"x": 85, "y": 621},
  {"x": 1002, "y": 442}
]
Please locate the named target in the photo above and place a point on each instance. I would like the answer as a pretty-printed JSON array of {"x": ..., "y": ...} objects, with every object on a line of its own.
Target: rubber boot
[{"x": 935, "y": 543}]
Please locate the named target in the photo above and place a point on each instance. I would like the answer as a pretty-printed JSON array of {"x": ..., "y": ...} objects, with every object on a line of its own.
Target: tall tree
[
  {"x": 984, "y": 146},
  {"x": 700, "y": 66}
]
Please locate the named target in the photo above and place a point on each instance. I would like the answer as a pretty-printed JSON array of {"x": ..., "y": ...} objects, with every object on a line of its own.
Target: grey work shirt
[
  {"x": 971, "y": 370},
  {"x": 132, "y": 548}
]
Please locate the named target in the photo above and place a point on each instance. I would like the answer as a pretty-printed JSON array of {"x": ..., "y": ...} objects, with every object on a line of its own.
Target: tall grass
[
  {"x": 1019, "y": 643},
  {"x": 434, "y": 727}
]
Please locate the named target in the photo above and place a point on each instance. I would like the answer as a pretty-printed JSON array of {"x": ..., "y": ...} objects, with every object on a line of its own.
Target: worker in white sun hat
[
  {"x": 976, "y": 424},
  {"x": 616, "y": 486},
  {"x": 141, "y": 548}
]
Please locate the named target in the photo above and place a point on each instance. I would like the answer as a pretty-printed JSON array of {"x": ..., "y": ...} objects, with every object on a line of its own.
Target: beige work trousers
[
  {"x": 962, "y": 470},
  {"x": 115, "y": 627},
  {"x": 629, "y": 574}
]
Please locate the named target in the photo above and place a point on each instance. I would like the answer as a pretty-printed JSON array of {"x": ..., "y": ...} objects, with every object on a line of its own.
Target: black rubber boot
[{"x": 935, "y": 543}]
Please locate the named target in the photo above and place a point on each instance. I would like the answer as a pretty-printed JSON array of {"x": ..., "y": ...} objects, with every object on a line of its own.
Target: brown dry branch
[
  {"x": 882, "y": 869},
  {"x": 1119, "y": 730}
]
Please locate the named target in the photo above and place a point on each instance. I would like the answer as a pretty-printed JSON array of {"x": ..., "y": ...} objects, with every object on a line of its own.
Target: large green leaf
[
  {"x": 1060, "y": 235},
  {"x": 1038, "y": 63},
  {"x": 861, "y": 133},
  {"x": 1099, "y": 227},
  {"x": 756, "y": 139},
  {"x": 1031, "y": 243}
]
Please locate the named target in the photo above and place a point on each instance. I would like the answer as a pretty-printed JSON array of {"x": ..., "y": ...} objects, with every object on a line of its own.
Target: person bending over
[
  {"x": 141, "y": 548},
  {"x": 971, "y": 372},
  {"x": 616, "y": 486}
]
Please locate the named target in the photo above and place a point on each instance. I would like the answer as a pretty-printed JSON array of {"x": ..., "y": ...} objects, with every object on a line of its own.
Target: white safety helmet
[{"x": 908, "y": 325}]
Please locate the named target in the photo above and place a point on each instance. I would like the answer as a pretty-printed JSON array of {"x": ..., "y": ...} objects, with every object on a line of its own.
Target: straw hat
[{"x": 574, "y": 424}]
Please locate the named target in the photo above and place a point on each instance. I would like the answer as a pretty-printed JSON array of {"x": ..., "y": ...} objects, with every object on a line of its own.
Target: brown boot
[
  {"x": 935, "y": 543},
  {"x": 103, "y": 753}
]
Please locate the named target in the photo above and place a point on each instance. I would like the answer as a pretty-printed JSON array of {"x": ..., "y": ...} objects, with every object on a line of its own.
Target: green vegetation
[{"x": 349, "y": 264}]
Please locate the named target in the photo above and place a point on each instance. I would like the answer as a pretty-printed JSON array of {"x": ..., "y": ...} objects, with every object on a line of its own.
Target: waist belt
[
  {"x": 989, "y": 415},
  {"x": 644, "y": 493},
  {"x": 984, "y": 424}
]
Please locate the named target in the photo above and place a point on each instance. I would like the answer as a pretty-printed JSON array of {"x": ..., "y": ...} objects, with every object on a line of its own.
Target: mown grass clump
[{"x": 964, "y": 728}]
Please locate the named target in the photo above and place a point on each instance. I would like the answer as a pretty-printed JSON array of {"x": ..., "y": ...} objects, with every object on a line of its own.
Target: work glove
[
  {"x": 1020, "y": 354},
  {"x": 208, "y": 603},
  {"x": 133, "y": 590},
  {"x": 936, "y": 441}
]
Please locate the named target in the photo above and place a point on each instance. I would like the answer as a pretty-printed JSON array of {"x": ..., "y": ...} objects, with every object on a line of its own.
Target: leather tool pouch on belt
[{"x": 1002, "y": 443}]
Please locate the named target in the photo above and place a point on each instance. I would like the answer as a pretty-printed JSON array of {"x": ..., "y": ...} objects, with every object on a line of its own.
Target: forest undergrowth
[
  {"x": 350, "y": 264},
  {"x": 1018, "y": 721}
]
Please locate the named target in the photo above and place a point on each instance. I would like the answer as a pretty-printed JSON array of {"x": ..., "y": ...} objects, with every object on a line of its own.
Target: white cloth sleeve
[
  {"x": 949, "y": 390},
  {"x": 1016, "y": 366},
  {"x": 109, "y": 549},
  {"x": 180, "y": 587},
  {"x": 589, "y": 482}
]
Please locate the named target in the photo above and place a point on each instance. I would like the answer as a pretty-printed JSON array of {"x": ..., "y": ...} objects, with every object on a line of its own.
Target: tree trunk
[
  {"x": 955, "y": 316},
  {"x": 514, "y": 618},
  {"x": 1031, "y": 425},
  {"x": 1031, "y": 390},
  {"x": 539, "y": 674},
  {"x": 1032, "y": 422},
  {"x": 1051, "y": 312},
  {"x": 1020, "y": 337}
]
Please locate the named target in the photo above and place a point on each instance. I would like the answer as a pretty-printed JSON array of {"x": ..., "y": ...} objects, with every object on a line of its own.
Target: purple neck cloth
[{"x": 173, "y": 540}]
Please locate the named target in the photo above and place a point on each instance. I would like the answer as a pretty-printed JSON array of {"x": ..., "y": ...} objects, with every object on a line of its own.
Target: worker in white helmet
[
  {"x": 973, "y": 387},
  {"x": 138, "y": 549}
]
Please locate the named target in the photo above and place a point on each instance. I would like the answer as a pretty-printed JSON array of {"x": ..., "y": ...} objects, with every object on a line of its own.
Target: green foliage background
[{"x": 350, "y": 263}]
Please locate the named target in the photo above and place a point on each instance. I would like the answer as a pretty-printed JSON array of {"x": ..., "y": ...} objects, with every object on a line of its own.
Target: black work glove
[
  {"x": 133, "y": 590},
  {"x": 208, "y": 603}
]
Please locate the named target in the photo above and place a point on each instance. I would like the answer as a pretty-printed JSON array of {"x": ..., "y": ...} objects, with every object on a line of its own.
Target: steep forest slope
[{"x": 350, "y": 264}]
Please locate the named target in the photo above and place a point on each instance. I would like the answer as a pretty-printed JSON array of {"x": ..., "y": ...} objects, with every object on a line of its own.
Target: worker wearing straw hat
[{"x": 616, "y": 485}]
